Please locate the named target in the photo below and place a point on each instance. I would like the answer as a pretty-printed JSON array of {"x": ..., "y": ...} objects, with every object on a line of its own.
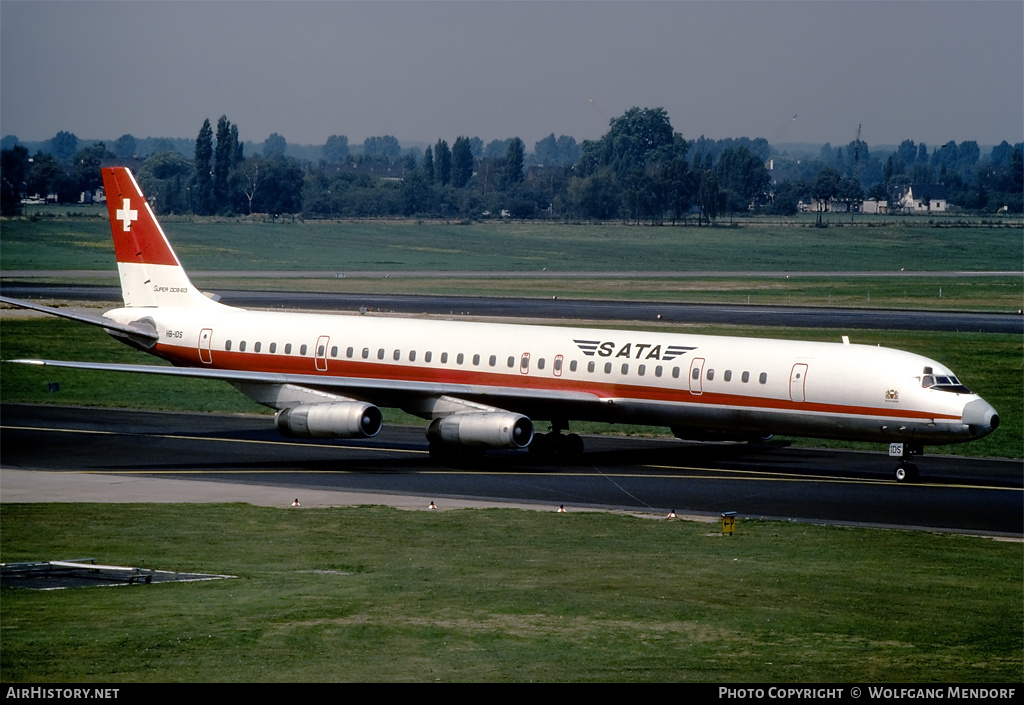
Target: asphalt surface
[
  {"x": 236, "y": 458},
  {"x": 571, "y": 309}
]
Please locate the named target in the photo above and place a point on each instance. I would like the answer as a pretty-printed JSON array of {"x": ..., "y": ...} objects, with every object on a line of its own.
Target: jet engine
[
  {"x": 490, "y": 429},
  {"x": 341, "y": 419}
]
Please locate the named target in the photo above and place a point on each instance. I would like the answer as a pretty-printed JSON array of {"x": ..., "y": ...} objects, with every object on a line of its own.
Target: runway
[
  {"x": 841, "y": 487},
  {"x": 571, "y": 309}
]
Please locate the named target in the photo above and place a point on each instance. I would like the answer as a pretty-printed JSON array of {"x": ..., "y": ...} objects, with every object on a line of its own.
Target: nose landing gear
[{"x": 906, "y": 471}]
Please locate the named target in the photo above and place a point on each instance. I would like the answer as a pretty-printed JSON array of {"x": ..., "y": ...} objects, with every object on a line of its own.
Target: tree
[
  {"x": 13, "y": 170},
  {"x": 202, "y": 191},
  {"x": 514, "y": 163},
  {"x": 462, "y": 162},
  {"x": 167, "y": 174},
  {"x": 87, "y": 166},
  {"x": 386, "y": 148},
  {"x": 124, "y": 147},
  {"x": 428, "y": 165},
  {"x": 251, "y": 175},
  {"x": 443, "y": 163},
  {"x": 709, "y": 196},
  {"x": 824, "y": 188},
  {"x": 336, "y": 149},
  {"x": 63, "y": 146},
  {"x": 224, "y": 162},
  {"x": 275, "y": 146},
  {"x": 635, "y": 135},
  {"x": 744, "y": 177}
]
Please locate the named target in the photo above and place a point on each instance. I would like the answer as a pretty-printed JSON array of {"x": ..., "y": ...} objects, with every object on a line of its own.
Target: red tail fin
[
  {"x": 151, "y": 274},
  {"x": 137, "y": 235}
]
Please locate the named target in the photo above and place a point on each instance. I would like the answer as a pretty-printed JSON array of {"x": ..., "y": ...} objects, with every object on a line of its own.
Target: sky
[{"x": 809, "y": 72}]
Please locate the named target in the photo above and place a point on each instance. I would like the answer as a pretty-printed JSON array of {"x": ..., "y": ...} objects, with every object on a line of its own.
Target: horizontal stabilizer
[{"x": 135, "y": 331}]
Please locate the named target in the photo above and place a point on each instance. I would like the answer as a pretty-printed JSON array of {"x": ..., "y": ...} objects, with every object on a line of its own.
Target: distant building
[
  {"x": 924, "y": 198},
  {"x": 873, "y": 205}
]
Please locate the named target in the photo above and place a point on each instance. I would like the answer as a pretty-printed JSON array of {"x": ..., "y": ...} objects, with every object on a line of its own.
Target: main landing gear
[
  {"x": 547, "y": 445},
  {"x": 906, "y": 471}
]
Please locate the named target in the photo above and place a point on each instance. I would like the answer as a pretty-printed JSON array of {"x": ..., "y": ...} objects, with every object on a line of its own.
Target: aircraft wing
[
  {"x": 132, "y": 330},
  {"x": 370, "y": 389}
]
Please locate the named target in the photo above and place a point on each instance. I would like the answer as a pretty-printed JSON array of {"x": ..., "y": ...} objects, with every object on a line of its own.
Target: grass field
[
  {"x": 374, "y": 594},
  {"x": 758, "y": 245},
  {"x": 992, "y": 365}
]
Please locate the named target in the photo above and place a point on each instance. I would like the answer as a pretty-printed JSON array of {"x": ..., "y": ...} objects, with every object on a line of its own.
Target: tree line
[{"x": 640, "y": 170}]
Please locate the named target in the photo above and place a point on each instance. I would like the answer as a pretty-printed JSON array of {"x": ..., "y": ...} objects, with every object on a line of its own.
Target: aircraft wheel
[
  {"x": 906, "y": 472},
  {"x": 542, "y": 445},
  {"x": 572, "y": 446}
]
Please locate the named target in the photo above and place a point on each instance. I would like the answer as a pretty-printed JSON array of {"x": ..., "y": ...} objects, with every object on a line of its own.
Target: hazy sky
[{"x": 927, "y": 71}]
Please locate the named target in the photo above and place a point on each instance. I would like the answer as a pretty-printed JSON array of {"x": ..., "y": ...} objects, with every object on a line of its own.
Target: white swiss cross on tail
[{"x": 126, "y": 215}]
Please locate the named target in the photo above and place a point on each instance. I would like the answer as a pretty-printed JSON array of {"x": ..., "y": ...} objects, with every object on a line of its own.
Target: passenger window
[
  {"x": 349, "y": 352},
  {"x": 287, "y": 348},
  {"x": 444, "y": 358},
  {"x": 657, "y": 371},
  {"x": 492, "y": 360},
  {"x": 380, "y": 353},
  {"x": 540, "y": 364},
  {"x": 763, "y": 379},
  {"x": 227, "y": 344},
  {"x": 607, "y": 368},
  {"x": 590, "y": 366},
  {"x": 412, "y": 356},
  {"x": 366, "y": 353},
  {"x": 397, "y": 355},
  {"x": 256, "y": 347},
  {"x": 745, "y": 377},
  {"x": 334, "y": 351},
  {"x": 641, "y": 370},
  {"x": 728, "y": 376},
  {"x": 460, "y": 359},
  {"x": 558, "y": 364},
  {"x": 695, "y": 373},
  {"x": 273, "y": 348},
  {"x": 711, "y": 375},
  {"x": 476, "y": 360},
  {"x": 675, "y": 373},
  {"x": 302, "y": 349},
  {"x": 625, "y": 369},
  {"x": 320, "y": 351},
  {"x": 511, "y": 361},
  {"x": 572, "y": 366},
  {"x": 428, "y": 356},
  {"x": 241, "y": 346}
]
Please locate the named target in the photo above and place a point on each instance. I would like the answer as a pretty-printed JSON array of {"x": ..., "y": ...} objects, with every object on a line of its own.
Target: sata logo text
[{"x": 631, "y": 351}]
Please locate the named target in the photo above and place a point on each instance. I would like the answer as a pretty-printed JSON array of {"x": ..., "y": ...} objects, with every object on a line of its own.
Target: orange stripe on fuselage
[{"x": 288, "y": 364}]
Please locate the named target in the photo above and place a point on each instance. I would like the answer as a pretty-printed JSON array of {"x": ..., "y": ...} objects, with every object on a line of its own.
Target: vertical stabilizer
[{"x": 150, "y": 272}]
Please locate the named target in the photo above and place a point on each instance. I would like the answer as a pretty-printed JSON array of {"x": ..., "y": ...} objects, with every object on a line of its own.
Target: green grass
[
  {"x": 374, "y": 594},
  {"x": 991, "y": 364},
  {"x": 986, "y": 294},
  {"x": 758, "y": 245}
]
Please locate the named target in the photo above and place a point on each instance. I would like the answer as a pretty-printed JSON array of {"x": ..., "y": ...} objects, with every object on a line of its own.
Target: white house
[{"x": 924, "y": 198}]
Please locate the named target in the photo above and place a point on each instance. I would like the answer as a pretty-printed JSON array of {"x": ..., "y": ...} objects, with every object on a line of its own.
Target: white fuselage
[{"x": 701, "y": 386}]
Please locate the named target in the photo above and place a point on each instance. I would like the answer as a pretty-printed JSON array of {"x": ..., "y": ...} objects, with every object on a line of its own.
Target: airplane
[{"x": 482, "y": 385}]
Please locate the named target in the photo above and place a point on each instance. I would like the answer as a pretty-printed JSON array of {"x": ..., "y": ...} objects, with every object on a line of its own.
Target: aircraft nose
[{"x": 980, "y": 418}]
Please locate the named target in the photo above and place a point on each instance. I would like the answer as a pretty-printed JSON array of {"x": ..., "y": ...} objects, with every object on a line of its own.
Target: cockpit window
[{"x": 944, "y": 383}]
